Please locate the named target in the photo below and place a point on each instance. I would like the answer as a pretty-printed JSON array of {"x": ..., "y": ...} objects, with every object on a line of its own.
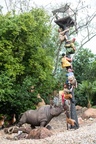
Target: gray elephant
[{"x": 41, "y": 116}]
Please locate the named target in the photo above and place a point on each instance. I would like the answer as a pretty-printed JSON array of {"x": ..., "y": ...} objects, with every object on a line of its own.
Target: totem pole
[{"x": 71, "y": 83}]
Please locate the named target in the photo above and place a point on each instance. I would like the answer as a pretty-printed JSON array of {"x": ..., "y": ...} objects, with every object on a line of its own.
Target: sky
[{"x": 56, "y": 3}]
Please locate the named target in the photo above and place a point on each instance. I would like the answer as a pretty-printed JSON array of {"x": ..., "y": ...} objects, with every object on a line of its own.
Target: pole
[{"x": 73, "y": 112}]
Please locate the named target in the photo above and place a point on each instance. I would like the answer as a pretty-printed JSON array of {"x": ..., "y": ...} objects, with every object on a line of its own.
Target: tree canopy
[
  {"x": 82, "y": 64},
  {"x": 26, "y": 59}
]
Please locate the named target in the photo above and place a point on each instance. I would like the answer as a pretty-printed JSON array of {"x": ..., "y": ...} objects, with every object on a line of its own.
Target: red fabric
[
  {"x": 63, "y": 98},
  {"x": 73, "y": 39}
]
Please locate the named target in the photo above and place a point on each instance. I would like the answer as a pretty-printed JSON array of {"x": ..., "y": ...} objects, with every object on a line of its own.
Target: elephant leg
[
  {"x": 43, "y": 124},
  {"x": 67, "y": 126},
  {"x": 48, "y": 127}
]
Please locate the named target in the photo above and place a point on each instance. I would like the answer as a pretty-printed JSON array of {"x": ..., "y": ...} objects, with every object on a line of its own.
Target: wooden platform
[{"x": 65, "y": 22}]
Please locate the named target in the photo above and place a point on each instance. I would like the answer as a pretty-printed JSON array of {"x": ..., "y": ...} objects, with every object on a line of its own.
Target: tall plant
[{"x": 88, "y": 89}]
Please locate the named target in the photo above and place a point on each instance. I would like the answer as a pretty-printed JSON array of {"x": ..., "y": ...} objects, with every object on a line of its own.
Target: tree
[
  {"x": 26, "y": 59},
  {"x": 84, "y": 19},
  {"x": 82, "y": 65},
  {"x": 92, "y": 69}
]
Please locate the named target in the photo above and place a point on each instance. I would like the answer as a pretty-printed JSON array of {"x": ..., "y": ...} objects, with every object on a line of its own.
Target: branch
[
  {"x": 87, "y": 41},
  {"x": 86, "y": 24},
  {"x": 84, "y": 43},
  {"x": 6, "y": 5}
]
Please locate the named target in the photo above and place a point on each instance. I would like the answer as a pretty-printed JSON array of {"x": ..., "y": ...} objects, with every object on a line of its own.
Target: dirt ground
[{"x": 58, "y": 125}]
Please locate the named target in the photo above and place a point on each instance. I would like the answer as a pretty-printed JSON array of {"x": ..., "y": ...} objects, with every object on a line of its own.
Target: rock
[
  {"x": 1, "y": 132},
  {"x": 91, "y": 112},
  {"x": 17, "y": 137},
  {"x": 20, "y": 136},
  {"x": 80, "y": 120},
  {"x": 48, "y": 127},
  {"x": 84, "y": 109},
  {"x": 39, "y": 133},
  {"x": 91, "y": 119},
  {"x": 78, "y": 107}
]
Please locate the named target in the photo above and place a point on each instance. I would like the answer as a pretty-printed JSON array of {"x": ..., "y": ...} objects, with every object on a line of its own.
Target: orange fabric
[{"x": 68, "y": 96}]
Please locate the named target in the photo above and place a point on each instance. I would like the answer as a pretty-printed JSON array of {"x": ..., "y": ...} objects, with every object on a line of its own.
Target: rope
[{"x": 11, "y": 129}]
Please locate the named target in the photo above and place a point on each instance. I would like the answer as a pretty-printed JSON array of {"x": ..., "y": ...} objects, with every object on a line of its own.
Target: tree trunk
[
  {"x": 89, "y": 104},
  {"x": 73, "y": 111}
]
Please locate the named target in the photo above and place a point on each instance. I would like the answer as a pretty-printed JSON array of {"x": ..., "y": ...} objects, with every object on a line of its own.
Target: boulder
[
  {"x": 84, "y": 109},
  {"x": 39, "y": 133},
  {"x": 80, "y": 120},
  {"x": 78, "y": 107},
  {"x": 90, "y": 112}
]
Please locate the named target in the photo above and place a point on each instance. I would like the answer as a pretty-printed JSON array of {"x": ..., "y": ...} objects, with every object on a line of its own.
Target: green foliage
[
  {"x": 82, "y": 65},
  {"x": 93, "y": 70},
  {"x": 81, "y": 99},
  {"x": 26, "y": 59},
  {"x": 6, "y": 85},
  {"x": 94, "y": 106},
  {"x": 85, "y": 93}
]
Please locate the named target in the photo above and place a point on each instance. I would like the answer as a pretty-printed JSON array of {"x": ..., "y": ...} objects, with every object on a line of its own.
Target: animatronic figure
[
  {"x": 71, "y": 78},
  {"x": 11, "y": 121},
  {"x": 2, "y": 120},
  {"x": 70, "y": 44},
  {"x": 64, "y": 62},
  {"x": 66, "y": 97},
  {"x": 56, "y": 100},
  {"x": 67, "y": 92},
  {"x": 70, "y": 121},
  {"x": 68, "y": 57},
  {"x": 40, "y": 117},
  {"x": 62, "y": 34}
]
